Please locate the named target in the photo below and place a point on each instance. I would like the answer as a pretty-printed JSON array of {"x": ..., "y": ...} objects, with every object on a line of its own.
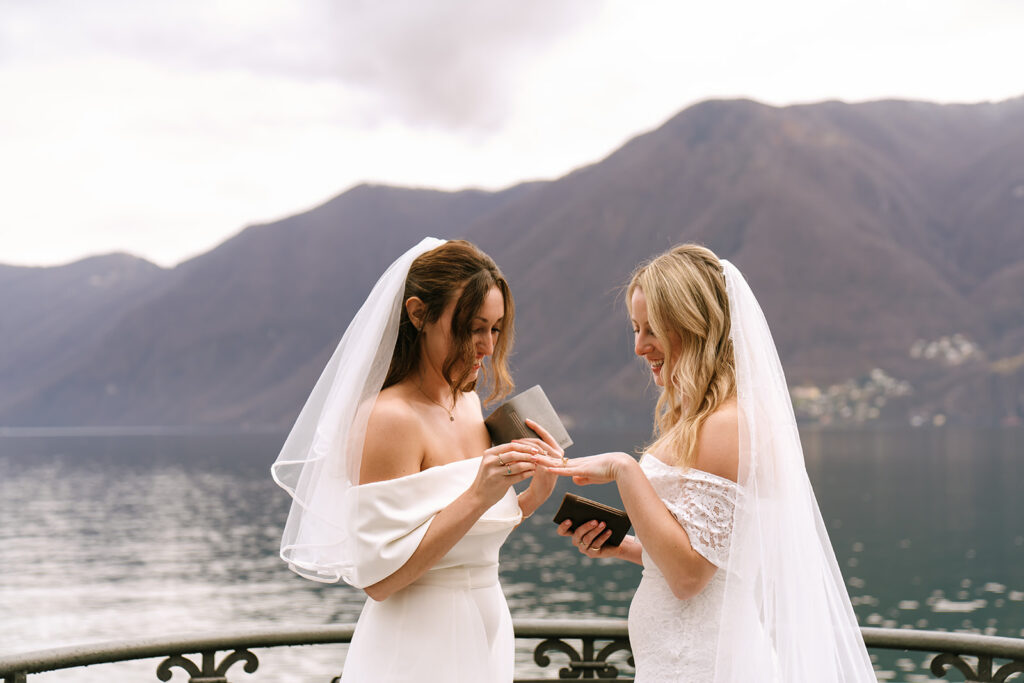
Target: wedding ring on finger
[
  {"x": 565, "y": 461},
  {"x": 508, "y": 470},
  {"x": 500, "y": 461}
]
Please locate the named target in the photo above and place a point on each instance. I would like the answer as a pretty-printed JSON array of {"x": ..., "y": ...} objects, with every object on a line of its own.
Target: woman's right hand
[{"x": 501, "y": 467}]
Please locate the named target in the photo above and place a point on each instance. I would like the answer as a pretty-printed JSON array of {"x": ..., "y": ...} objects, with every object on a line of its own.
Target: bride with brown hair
[
  {"x": 740, "y": 582},
  {"x": 396, "y": 488}
]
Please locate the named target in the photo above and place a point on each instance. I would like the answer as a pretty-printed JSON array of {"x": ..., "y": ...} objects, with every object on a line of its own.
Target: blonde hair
[{"x": 687, "y": 304}]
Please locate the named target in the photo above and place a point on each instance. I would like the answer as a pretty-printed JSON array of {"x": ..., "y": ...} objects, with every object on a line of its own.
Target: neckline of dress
[
  {"x": 447, "y": 464},
  {"x": 689, "y": 470},
  {"x": 405, "y": 477}
]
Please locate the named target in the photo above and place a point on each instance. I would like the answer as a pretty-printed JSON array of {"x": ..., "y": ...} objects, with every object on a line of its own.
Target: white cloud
[
  {"x": 161, "y": 128},
  {"x": 447, "y": 62},
  {"x": 119, "y": 155},
  {"x": 442, "y": 63}
]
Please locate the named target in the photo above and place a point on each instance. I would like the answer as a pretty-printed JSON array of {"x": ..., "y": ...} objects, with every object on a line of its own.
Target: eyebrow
[{"x": 483, "y": 319}]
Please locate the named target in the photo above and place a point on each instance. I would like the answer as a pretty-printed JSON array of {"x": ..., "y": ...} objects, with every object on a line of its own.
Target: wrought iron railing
[
  {"x": 951, "y": 649},
  {"x": 602, "y": 642}
]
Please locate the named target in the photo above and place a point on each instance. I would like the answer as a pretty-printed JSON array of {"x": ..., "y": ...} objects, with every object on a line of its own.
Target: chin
[{"x": 471, "y": 380}]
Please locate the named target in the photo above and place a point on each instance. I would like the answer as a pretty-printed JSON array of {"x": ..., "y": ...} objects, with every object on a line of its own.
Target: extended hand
[{"x": 593, "y": 469}]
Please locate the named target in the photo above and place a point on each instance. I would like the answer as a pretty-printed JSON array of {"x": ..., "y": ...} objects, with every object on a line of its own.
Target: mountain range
[{"x": 884, "y": 240}]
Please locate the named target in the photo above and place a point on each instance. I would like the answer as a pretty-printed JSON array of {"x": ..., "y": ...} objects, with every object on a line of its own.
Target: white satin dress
[
  {"x": 450, "y": 626},
  {"x": 673, "y": 640}
]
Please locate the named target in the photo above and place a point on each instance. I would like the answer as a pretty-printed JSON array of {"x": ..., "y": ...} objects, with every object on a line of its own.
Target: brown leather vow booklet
[
  {"x": 581, "y": 510},
  {"x": 508, "y": 421}
]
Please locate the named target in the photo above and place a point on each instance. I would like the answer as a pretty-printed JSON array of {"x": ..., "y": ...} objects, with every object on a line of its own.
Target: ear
[{"x": 416, "y": 309}]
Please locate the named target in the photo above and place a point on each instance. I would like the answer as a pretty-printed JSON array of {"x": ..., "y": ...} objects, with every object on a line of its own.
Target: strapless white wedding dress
[
  {"x": 673, "y": 640},
  {"x": 450, "y": 626}
]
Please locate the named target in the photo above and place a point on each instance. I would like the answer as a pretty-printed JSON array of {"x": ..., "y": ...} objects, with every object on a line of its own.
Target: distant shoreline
[
  {"x": 148, "y": 430},
  {"x": 806, "y": 428}
]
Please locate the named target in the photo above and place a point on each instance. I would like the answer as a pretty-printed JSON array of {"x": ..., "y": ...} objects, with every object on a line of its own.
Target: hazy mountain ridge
[
  {"x": 864, "y": 229},
  {"x": 52, "y": 317}
]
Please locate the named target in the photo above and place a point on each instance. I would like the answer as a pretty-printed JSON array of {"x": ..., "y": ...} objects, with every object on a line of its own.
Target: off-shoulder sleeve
[
  {"x": 390, "y": 518},
  {"x": 704, "y": 508}
]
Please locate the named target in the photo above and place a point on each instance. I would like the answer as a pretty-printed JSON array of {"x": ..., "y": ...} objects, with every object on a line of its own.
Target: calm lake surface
[{"x": 103, "y": 538}]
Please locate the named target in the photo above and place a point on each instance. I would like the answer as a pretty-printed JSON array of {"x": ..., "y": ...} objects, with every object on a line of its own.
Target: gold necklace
[{"x": 451, "y": 413}]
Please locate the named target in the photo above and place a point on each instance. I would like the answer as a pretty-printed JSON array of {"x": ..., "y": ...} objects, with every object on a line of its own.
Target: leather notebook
[
  {"x": 581, "y": 510},
  {"x": 508, "y": 421}
]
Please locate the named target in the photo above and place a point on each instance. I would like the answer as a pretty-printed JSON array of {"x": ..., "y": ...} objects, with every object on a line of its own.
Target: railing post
[
  {"x": 210, "y": 672},
  {"x": 589, "y": 664},
  {"x": 944, "y": 662},
  {"x": 16, "y": 677}
]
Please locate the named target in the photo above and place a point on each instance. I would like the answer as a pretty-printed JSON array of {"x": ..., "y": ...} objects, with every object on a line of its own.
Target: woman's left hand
[
  {"x": 589, "y": 538},
  {"x": 594, "y": 469}
]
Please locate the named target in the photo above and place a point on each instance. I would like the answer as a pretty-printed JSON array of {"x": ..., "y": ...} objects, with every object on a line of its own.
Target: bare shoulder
[
  {"x": 718, "y": 443},
  {"x": 473, "y": 400},
  {"x": 394, "y": 440}
]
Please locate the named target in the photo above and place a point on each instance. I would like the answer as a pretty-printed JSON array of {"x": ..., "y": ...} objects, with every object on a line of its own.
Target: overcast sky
[{"x": 162, "y": 128}]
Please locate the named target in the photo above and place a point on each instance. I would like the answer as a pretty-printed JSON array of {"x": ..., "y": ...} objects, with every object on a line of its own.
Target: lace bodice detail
[
  {"x": 675, "y": 640},
  {"x": 703, "y": 503}
]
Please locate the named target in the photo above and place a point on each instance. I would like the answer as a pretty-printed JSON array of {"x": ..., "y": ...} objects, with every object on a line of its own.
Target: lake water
[{"x": 103, "y": 538}]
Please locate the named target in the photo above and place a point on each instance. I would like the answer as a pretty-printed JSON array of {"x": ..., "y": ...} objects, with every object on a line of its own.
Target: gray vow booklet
[{"x": 508, "y": 421}]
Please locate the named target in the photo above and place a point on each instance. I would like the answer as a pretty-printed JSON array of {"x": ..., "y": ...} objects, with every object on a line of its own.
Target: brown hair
[
  {"x": 456, "y": 268},
  {"x": 686, "y": 300}
]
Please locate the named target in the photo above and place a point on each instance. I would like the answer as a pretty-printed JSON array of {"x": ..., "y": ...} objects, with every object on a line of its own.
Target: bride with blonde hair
[{"x": 740, "y": 582}]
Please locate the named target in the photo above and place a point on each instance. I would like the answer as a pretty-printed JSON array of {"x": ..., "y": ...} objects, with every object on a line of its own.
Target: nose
[
  {"x": 486, "y": 346},
  {"x": 641, "y": 344}
]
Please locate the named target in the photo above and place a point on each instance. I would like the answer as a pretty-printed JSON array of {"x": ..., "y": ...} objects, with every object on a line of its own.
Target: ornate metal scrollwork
[
  {"x": 588, "y": 665},
  {"x": 1007, "y": 670},
  {"x": 211, "y": 672},
  {"x": 945, "y": 661}
]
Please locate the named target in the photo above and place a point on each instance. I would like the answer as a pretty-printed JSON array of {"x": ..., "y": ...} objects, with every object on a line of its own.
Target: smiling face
[
  {"x": 458, "y": 310},
  {"x": 484, "y": 332},
  {"x": 645, "y": 343},
  {"x": 679, "y": 305}
]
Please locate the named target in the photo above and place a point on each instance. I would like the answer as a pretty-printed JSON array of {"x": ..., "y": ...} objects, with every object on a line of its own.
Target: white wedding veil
[
  {"x": 320, "y": 459},
  {"x": 786, "y": 613}
]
